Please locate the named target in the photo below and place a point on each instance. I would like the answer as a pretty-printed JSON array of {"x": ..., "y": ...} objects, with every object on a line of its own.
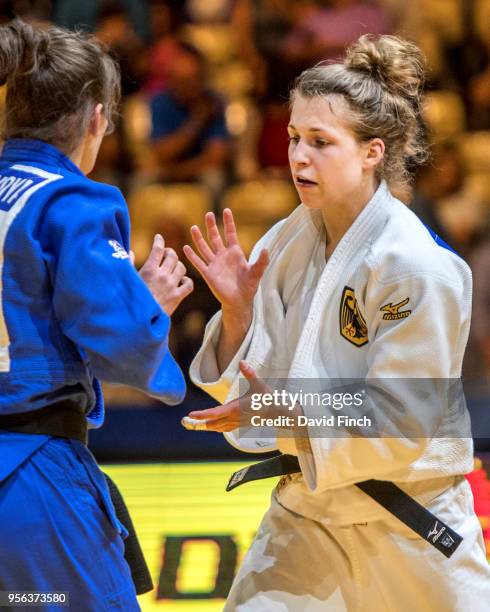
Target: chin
[{"x": 312, "y": 203}]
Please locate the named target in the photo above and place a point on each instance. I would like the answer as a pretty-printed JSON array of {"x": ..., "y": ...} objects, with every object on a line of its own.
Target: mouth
[{"x": 301, "y": 181}]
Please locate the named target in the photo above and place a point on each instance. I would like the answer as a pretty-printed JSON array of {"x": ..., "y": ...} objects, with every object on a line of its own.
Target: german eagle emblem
[{"x": 352, "y": 324}]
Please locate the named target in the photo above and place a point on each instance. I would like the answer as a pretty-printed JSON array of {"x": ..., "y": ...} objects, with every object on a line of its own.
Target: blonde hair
[{"x": 381, "y": 80}]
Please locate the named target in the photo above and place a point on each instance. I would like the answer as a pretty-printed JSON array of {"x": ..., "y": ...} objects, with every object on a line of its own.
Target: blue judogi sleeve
[{"x": 101, "y": 302}]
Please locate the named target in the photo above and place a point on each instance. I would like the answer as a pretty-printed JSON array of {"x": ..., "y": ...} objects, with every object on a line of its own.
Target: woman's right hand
[{"x": 223, "y": 265}]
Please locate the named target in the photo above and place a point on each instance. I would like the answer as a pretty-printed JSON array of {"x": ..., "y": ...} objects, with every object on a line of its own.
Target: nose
[{"x": 298, "y": 155}]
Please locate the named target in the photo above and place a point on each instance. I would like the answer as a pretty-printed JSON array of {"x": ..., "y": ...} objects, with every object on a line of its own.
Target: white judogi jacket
[{"x": 386, "y": 256}]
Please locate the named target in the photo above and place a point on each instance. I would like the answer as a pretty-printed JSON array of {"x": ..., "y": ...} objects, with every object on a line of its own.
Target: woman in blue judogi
[{"x": 72, "y": 309}]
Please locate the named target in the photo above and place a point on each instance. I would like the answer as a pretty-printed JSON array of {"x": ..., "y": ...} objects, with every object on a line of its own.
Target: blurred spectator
[
  {"x": 468, "y": 67},
  {"x": 165, "y": 25},
  {"x": 209, "y": 11},
  {"x": 74, "y": 14},
  {"x": 115, "y": 29},
  {"x": 479, "y": 97},
  {"x": 114, "y": 163},
  {"x": 327, "y": 26},
  {"x": 443, "y": 202},
  {"x": 189, "y": 132},
  {"x": 272, "y": 146},
  {"x": 261, "y": 27},
  {"x": 29, "y": 10},
  {"x": 476, "y": 366}
]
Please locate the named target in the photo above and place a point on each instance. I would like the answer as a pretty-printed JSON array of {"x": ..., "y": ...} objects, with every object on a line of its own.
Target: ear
[
  {"x": 98, "y": 122},
  {"x": 374, "y": 153}
]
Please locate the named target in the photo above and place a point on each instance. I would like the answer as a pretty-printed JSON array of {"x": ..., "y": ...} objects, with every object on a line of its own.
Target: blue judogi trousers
[{"x": 59, "y": 531}]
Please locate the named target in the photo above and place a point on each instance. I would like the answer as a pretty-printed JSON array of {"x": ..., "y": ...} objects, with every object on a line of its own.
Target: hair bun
[
  {"x": 395, "y": 63},
  {"x": 22, "y": 48}
]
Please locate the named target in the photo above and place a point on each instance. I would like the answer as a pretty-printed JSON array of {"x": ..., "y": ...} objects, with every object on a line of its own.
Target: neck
[
  {"x": 339, "y": 216},
  {"x": 79, "y": 156},
  {"x": 76, "y": 157}
]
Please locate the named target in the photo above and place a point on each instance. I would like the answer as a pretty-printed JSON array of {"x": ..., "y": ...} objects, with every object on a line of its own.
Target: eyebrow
[{"x": 313, "y": 129}]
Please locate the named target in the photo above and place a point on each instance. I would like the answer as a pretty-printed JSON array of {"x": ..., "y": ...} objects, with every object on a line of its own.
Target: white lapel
[{"x": 354, "y": 244}]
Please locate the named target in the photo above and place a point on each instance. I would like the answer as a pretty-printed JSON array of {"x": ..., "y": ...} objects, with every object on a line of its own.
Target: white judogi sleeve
[
  {"x": 223, "y": 386},
  {"x": 204, "y": 369}
]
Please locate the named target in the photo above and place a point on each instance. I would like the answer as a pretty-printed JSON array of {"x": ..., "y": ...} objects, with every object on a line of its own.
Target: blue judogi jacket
[{"x": 72, "y": 306}]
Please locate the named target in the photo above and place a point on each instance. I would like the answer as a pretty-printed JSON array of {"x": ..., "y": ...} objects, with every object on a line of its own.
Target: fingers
[
  {"x": 247, "y": 370},
  {"x": 179, "y": 271},
  {"x": 201, "y": 244},
  {"x": 214, "y": 237},
  {"x": 220, "y": 418},
  {"x": 257, "y": 385},
  {"x": 195, "y": 260},
  {"x": 185, "y": 288},
  {"x": 258, "y": 268},
  {"x": 170, "y": 260},
  {"x": 221, "y": 425},
  {"x": 132, "y": 257},
  {"x": 157, "y": 251},
  {"x": 193, "y": 424},
  {"x": 218, "y": 425},
  {"x": 230, "y": 232},
  {"x": 212, "y": 230},
  {"x": 212, "y": 413}
]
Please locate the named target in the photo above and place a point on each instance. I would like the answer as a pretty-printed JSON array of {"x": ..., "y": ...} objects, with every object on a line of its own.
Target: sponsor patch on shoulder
[{"x": 392, "y": 311}]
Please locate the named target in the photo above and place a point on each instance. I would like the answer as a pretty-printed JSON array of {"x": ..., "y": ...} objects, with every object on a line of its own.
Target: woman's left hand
[
  {"x": 164, "y": 275},
  {"x": 232, "y": 415}
]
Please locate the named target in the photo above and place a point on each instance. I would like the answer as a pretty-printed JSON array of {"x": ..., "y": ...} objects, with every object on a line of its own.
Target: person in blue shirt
[
  {"x": 73, "y": 309},
  {"x": 189, "y": 132}
]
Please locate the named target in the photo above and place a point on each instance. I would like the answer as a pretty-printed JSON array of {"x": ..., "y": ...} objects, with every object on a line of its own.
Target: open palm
[{"x": 223, "y": 265}]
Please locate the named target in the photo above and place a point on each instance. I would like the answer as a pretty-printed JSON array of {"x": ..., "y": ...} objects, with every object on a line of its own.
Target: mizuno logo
[
  {"x": 435, "y": 533},
  {"x": 392, "y": 311}
]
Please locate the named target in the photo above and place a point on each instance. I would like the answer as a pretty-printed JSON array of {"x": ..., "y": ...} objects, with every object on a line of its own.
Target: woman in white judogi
[{"x": 350, "y": 286}]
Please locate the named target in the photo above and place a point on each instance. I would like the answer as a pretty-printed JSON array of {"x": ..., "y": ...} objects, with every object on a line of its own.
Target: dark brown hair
[
  {"x": 54, "y": 79},
  {"x": 381, "y": 81}
]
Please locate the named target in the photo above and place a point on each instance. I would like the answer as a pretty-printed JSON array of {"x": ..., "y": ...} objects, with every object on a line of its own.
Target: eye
[
  {"x": 293, "y": 138},
  {"x": 319, "y": 143}
]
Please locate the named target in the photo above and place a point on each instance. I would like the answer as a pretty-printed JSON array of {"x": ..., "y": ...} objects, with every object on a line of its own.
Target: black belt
[
  {"x": 132, "y": 549},
  {"x": 387, "y": 494},
  {"x": 66, "y": 419}
]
